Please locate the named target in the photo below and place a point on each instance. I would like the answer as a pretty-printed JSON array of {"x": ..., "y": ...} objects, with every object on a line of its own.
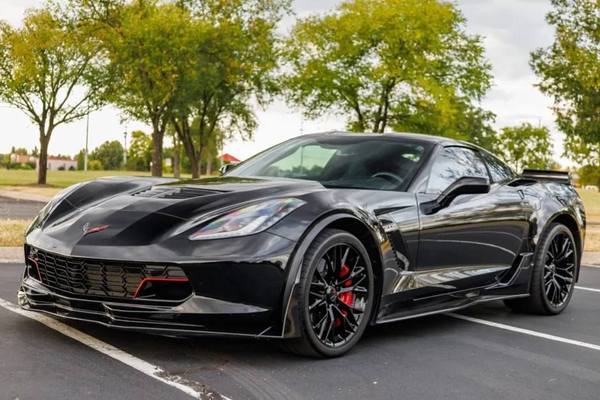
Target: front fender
[{"x": 292, "y": 309}]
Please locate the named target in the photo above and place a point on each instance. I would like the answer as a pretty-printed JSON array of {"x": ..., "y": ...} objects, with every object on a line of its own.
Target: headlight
[{"x": 248, "y": 220}]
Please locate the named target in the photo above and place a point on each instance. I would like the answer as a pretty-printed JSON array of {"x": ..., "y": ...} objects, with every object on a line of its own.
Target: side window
[
  {"x": 452, "y": 164},
  {"x": 499, "y": 171}
]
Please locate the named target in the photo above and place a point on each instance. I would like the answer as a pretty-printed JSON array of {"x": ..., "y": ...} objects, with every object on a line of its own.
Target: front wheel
[
  {"x": 336, "y": 295},
  {"x": 553, "y": 276}
]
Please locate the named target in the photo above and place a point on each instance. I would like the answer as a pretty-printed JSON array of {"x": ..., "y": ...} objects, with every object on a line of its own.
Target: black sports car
[{"x": 310, "y": 241}]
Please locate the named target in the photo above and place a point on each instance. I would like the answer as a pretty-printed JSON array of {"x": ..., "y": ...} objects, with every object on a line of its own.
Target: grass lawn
[
  {"x": 59, "y": 179},
  {"x": 25, "y": 180},
  {"x": 591, "y": 200}
]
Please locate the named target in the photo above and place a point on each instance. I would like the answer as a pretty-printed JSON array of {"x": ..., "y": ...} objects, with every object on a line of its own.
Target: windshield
[{"x": 357, "y": 162}]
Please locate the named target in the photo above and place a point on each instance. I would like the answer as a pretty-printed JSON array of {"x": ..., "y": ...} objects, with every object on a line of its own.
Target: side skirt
[
  {"x": 511, "y": 284},
  {"x": 450, "y": 308}
]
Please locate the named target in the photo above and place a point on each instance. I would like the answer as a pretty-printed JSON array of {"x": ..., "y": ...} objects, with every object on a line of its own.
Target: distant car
[{"x": 310, "y": 241}]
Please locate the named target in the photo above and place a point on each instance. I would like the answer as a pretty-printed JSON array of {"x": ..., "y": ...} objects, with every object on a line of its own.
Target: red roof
[{"x": 229, "y": 158}]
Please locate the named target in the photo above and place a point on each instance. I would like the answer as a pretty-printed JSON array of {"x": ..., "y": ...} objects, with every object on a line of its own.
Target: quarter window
[
  {"x": 499, "y": 171},
  {"x": 452, "y": 164}
]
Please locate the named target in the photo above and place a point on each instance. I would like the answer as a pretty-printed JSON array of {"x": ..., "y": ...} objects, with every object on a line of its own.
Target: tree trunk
[
  {"x": 183, "y": 130},
  {"x": 200, "y": 154},
  {"x": 157, "y": 148},
  {"x": 176, "y": 160},
  {"x": 43, "y": 159}
]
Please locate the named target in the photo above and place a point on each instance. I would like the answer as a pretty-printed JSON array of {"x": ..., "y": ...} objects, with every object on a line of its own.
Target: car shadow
[{"x": 217, "y": 351}]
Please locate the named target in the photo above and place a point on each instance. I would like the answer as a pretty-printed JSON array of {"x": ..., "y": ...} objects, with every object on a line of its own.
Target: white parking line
[
  {"x": 525, "y": 331},
  {"x": 589, "y": 289},
  {"x": 153, "y": 371}
]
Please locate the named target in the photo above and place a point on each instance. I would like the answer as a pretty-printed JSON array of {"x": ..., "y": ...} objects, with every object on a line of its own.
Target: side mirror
[
  {"x": 464, "y": 185},
  {"x": 225, "y": 168}
]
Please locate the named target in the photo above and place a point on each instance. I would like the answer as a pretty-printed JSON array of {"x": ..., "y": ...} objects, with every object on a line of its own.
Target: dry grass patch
[
  {"x": 12, "y": 232},
  {"x": 592, "y": 238}
]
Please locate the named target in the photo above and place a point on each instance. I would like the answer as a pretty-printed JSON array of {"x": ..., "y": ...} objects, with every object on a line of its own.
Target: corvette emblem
[{"x": 87, "y": 229}]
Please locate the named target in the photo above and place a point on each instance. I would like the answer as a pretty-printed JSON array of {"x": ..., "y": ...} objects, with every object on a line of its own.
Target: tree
[
  {"x": 19, "y": 150},
  {"x": 49, "y": 69},
  {"x": 407, "y": 64},
  {"x": 146, "y": 45},
  {"x": 139, "y": 154},
  {"x": 234, "y": 56},
  {"x": 110, "y": 154},
  {"x": 525, "y": 146},
  {"x": 570, "y": 69},
  {"x": 80, "y": 158},
  {"x": 588, "y": 156}
]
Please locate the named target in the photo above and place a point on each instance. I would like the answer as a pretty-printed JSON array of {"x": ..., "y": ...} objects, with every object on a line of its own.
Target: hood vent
[{"x": 174, "y": 192}]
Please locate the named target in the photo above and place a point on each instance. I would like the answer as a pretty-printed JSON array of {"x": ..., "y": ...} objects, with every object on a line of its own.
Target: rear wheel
[
  {"x": 553, "y": 276},
  {"x": 336, "y": 298}
]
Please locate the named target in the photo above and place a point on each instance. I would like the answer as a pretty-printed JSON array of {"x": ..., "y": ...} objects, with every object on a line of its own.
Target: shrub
[{"x": 95, "y": 165}]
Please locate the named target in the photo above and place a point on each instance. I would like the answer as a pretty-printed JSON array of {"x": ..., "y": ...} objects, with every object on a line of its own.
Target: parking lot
[{"x": 495, "y": 354}]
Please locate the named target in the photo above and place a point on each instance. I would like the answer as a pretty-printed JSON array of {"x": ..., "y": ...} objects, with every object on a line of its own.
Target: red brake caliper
[{"x": 347, "y": 297}]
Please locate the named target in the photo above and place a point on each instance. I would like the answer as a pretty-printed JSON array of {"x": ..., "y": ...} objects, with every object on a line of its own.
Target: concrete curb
[
  {"x": 11, "y": 255},
  {"x": 24, "y": 196}
]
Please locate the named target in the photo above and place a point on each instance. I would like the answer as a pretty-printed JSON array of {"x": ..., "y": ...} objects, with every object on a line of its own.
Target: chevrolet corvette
[{"x": 311, "y": 242}]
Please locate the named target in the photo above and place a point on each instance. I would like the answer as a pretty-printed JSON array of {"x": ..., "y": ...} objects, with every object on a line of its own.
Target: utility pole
[
  {"x": 125, "y": 152},
  {"x": 87, "y": 134}
]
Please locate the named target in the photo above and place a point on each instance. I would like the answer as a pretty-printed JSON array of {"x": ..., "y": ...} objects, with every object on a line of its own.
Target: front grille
[{"x": 97, "y": 277}]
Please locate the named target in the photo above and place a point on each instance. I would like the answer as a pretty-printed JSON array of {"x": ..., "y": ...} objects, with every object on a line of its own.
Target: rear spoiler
[{"x": 547, "y": 175}]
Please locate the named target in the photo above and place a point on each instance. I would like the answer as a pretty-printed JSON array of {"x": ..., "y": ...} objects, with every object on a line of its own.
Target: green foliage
[
  {"x": 80, "y": 158},
  {"x": 148, "y": 45},
  {"x": 51, "y": 70},
  {"x": 405, "y": 64},
  {"x": 570, "y": 70},
  {"x": 110, "y": 154},
  {"x": 589, "y": 175},
  {"x": 95, "y": 165},
  {"x": 139, "y": 153},
  {"x": 234, "y": 56},
  {"x": 20, "y": 151},
  {"x": 525, "y": 146},
  {"x": 582, "y": 152}
]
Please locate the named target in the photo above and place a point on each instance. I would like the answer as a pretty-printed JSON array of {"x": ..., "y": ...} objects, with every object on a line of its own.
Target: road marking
[
  {"x": 525, "y": 331},
  {"x": 589, "y": 289},
  {"x": 191, "y": 388}
]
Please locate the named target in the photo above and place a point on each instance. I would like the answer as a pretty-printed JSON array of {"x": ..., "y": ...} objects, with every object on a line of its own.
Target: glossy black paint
[{"x": 475, "y": 244}]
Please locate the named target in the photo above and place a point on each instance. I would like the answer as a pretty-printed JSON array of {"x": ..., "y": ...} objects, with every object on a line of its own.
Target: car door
[{"x": 471, "y": 241}]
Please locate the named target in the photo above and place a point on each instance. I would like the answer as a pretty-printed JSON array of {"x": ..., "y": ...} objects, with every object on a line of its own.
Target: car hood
[{"x": 154, "y": 213}]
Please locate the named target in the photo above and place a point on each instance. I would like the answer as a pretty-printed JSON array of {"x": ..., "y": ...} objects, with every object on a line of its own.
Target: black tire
[
  {"x": 328, "y": 306},
  {"x": 553, "y": 277}
]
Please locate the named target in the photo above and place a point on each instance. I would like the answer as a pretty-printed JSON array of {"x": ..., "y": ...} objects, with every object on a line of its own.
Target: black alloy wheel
[
  {"x": 338, "y": 295},
  {"x": 559, "y": 270},
  {"x": 555, "y": 268},
  {"x": 337, "y": 285}
]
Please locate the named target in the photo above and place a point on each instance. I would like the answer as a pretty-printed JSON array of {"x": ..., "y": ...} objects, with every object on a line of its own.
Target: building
[
  {"x": 60, "y": 164},
  {"x": 22, "y": 159},
  {"x": 229, "y": 159}
]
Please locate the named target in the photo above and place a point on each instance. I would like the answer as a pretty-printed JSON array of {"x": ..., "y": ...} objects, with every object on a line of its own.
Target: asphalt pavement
[
  {"x": 14, "y": 208},
  {"x": 438, "y": 357}
]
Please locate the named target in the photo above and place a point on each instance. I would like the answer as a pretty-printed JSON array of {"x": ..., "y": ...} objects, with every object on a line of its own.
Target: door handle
[{"x": 521, "y": 194}]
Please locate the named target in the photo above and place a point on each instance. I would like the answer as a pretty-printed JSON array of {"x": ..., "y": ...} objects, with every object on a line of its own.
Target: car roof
[{"x": 444, "y": 141}]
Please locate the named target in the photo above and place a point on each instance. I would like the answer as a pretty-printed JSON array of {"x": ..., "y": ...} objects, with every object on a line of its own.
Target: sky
[{"x": 510, "y": 29}]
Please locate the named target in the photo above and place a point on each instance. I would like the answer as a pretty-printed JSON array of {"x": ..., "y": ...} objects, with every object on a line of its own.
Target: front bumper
[
  {"x": 235, "y": 293},
  {"x": 197, "y": 315}
]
